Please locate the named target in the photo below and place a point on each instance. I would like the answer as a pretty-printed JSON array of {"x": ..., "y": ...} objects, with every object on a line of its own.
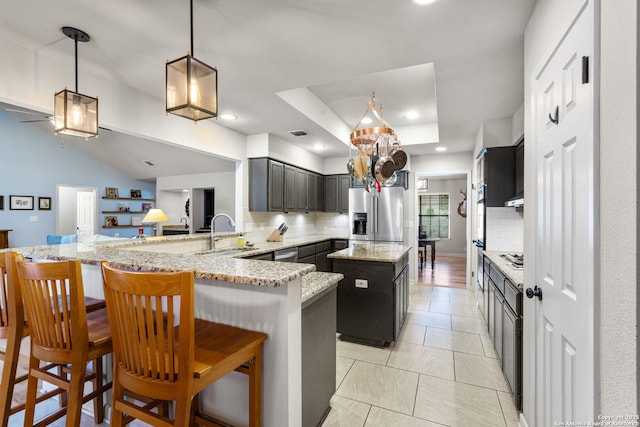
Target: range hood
[{"x": 516, "y": 201}]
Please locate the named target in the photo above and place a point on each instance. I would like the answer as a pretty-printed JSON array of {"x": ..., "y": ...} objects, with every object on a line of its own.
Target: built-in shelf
[
  {"x": 124, "y": 212},
  {"x": 127, "y": 226},
  {"x": 128, "y": 198}
]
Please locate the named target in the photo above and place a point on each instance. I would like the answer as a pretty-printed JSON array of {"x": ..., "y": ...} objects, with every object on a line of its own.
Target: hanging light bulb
[
  {"x": 74, "y": 113},
  {"x": 191, "y": 86}
]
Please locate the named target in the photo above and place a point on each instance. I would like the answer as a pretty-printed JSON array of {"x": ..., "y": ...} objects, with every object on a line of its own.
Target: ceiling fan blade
[{"x": 35, "y": 113}]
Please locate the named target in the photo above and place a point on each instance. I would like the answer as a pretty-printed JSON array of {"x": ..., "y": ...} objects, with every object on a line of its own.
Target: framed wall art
[
  {"x": 44, "y": 203},
  {"x": 111, "y": 193},
  {"x": 21, "y": 203}
]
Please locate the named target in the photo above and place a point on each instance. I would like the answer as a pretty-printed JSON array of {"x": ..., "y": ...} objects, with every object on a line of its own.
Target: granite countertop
[
  {"x": 212, "y": 266},
  {"x": 316, "y": 283},
  {"x": 380, "y": 252},
  {"x": 516, "y": 276}
]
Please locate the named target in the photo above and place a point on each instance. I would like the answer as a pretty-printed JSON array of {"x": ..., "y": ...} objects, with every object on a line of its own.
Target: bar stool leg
[{"x": 255, "y": 372}]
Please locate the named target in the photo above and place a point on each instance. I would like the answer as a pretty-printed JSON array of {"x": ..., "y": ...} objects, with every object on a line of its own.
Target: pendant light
[
  {"x": 74, "y": 113},
  {"x": 192, "y": 85}
]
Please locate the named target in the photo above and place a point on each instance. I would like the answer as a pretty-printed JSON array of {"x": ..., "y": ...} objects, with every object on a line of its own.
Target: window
[{"x": 433, "y": 217}]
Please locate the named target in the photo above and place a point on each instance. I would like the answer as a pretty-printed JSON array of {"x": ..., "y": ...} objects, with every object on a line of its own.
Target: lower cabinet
[
  {"x": 504, "y": 309},
  {"x": 498, "y": 331},
  {"x": 318, "y": 357},
  {"x": 372, "y": 300}
]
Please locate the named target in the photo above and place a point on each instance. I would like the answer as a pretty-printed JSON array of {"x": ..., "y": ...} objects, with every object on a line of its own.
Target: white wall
[
  {"x": 616, "y": 279},
  {"x": 619, "y": 226}
]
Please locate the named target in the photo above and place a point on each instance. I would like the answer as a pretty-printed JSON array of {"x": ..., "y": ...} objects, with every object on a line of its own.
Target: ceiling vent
[
  {"x": 299, "y": 132},
  {"x": 148, "y": 163}
]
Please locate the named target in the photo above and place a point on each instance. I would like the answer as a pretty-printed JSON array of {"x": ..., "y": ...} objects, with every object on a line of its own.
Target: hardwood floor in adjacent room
[{"x": 448, "y": 271}]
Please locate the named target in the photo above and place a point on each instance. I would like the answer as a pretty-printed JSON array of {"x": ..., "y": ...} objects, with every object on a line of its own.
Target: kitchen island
[
  {"x": 373, "y": 296},
  {"x": 257, "y": 295}
]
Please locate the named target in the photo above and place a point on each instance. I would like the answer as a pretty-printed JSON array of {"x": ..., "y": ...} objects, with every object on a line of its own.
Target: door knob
[{"x": 535, "y": 292}]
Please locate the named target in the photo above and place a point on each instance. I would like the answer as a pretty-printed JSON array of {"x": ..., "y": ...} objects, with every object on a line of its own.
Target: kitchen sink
[{"x": 225, "y": 251}]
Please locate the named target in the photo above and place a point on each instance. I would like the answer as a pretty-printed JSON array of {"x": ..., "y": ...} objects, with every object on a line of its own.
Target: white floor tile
[
  {"x": 346, "y": 413},
  {"x": 429, "y": 319},
  {"x": 412, "y": 333},
  {"x": 343, "y": 364},
  {"x": 468, "y": 324},
  {"x": 379, "y": 417},
  {"x": 382, "y": 386},
  {"x": 511, "y": 415},
  {"x": 363, "y": 352},
  {"x": 455, "y": 404},
  {"x": 479, "y": 370},
  {"x": 453, "y": 340},
  {"x": 424, "y": 360}
]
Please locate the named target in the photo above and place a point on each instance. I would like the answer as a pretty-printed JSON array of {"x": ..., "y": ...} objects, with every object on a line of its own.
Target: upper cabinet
[
  {"x": 496, "y": 170},
  {"x": 520, "y": 168},
  {"x": 337, "y": 193},
  {"x": 278, "y": 187}
]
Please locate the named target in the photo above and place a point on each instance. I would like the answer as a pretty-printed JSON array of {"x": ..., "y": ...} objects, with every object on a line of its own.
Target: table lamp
[{"x": 154, "y": 216}]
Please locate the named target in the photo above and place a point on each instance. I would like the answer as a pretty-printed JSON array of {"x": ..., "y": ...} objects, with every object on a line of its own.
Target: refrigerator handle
[{"x": 375, "y": 215}]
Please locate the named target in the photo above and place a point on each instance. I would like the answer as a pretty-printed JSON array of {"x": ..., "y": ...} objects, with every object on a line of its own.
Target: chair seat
[
  {"x": 98, "y": 325},
  {"x": 217, "y": 345}
]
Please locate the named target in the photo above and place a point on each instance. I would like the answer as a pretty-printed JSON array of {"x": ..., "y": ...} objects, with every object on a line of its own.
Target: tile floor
[{"x": 442, "y": 371}]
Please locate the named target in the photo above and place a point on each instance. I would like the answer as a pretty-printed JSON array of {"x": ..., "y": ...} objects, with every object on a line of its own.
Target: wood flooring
[{"x": 449, "y": 271}]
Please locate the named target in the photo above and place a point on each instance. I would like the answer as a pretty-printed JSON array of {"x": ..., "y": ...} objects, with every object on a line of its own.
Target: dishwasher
[{"x": 286, "y": 255}]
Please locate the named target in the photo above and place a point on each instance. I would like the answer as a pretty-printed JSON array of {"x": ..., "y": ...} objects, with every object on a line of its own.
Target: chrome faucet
[
  {"x": 186, "y": 223},
  {"x": 213, "y": 227}
]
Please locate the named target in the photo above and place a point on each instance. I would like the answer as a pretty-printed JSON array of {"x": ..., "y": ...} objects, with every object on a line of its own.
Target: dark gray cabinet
[
  {"x": 519, "y": 181},
  {"x": 498, "y": 171},
  {"x": 289, "y": 188},
  {"x": 263, "y": 257},
  {"x": 266, "y": 185},
  {"x": 278, "y": 187},
  {"x": 505, "y": 326},
  {"x": 372, "y": 310},
  {"x": 337, "y": 193}
]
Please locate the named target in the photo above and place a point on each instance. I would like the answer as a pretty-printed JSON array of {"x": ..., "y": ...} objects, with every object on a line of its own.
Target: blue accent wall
[{"x": 33, "y": 161}]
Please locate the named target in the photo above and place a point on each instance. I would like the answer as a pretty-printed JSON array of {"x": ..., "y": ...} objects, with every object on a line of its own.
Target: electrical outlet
[
  {"x": 33, "y": 218},
  {"x": 362, "y": 283}
]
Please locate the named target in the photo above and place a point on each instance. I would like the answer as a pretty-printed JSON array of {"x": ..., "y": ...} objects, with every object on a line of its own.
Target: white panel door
[
  {"x": 563, "y": 124},
  {"x": 86, "y": 212}
]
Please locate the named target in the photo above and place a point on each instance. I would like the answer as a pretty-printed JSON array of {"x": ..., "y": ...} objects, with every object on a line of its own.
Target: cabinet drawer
[
  {"x": 513, "y": 297},
  {"x": 305, "y": 251},
  {"x": 497, "y": 277}
]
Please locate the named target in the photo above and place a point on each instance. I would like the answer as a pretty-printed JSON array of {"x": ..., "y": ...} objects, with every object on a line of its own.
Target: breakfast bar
[{"x": 257, "y": 295}]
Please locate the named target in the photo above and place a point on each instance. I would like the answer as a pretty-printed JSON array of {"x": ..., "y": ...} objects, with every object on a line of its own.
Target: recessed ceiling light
[
  {"x": 184, "y": 190},
  {"x": 318, "y": 146},
  {"x": 441, "y": 149},
  {"x": 424, "y": 1},
  {"x": 228, "y": 116},
  {"x": 366, "y": 120},
  {"x": 411, "y": 115}
]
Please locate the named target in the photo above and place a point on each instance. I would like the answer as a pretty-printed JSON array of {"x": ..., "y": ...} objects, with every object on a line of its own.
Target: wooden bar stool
[
  {"x": 156, "y": 359},
  {"x": 13, "y": 328},
  {"x": 63, "y": 333}
]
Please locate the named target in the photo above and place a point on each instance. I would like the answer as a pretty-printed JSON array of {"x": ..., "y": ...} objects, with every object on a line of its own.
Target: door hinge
[{"x": 585, "y": 70}]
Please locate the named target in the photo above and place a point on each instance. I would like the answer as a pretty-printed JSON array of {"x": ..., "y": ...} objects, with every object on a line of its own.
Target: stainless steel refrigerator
[{"x": 377, "y": 218}]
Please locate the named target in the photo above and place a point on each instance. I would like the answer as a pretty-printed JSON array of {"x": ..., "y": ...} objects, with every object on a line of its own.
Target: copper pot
[{"x": 399, "y": 156}]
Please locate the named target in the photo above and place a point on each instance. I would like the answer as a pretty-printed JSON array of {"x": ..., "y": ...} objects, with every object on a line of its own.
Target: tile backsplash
[
  {"x": 258, "y": 225},
  {"x": 505, "y": 230}
]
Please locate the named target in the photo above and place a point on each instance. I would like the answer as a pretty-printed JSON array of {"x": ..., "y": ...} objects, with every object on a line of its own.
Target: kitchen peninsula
[
  {"x": 252, "y": 294},
  {"x": 373, "y": 296}
]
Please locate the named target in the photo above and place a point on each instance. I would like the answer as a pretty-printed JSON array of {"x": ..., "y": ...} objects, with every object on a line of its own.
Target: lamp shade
[
  {"x": 75, "y": 114},
  {"x": 192, "y": 89},
  {"x": 155, "y": 215}
]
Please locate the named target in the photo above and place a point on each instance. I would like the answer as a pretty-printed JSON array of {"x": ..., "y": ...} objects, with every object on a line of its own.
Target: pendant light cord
[
  {"x": 191, "y": 24},
  {"x": 75, "y": 39}
]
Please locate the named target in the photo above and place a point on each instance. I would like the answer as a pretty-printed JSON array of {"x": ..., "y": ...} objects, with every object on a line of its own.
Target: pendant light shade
[
  {"x": 74, "y": 113},
  {"x": 192, "y": 86}
]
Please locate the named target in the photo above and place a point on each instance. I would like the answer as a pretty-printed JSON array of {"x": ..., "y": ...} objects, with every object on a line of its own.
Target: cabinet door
[
  {"x": 510, "y": 347},
  {"x": 331, "y": 193},
  {"x": 321, "y": 261},
  {"x": 498, "y": 308},
  {"x": 276, "y": 186},
  {"x": 289, "y": 188},
  {"x": 343, "y": 191},
  {"x": 520, "y": 168},
  {"x": 301, "y": 190},
  {"x": 311, "y": 192},
  {"x": 319, "y": 193},
  {"x": 311, "y": 259},
  {"x": 397, "y": 312},
  {"x": 491, "y": 301}
]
